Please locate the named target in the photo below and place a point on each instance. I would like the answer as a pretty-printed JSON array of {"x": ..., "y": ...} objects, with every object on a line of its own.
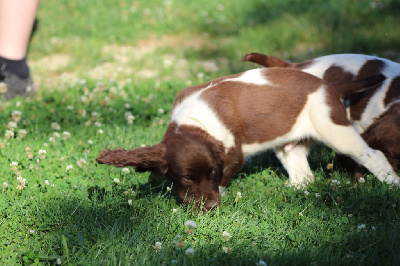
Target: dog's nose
[{"x": 210, "y": 204}]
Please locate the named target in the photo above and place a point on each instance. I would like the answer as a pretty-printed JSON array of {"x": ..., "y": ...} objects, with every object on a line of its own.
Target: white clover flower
[
  {"x": 127, "y": 106},
  {"x": 361, "y": 227},
  {"x": 16, "y": 115},
  {"x": 125, "y": 170},
  {"x": 226, "y": 249},
  {"x": 9, "y": 134},
  {"x": 261, "y": 263},
  {"x": 190, "y": 224},
  {"x": 59, "y": 261},
  {"x": 200, "y": 75},
  {"x": 169, "y": 189},
  {"x": 22, "y": 133},
  {"x": 335, "y": 183},
  {"x": 56, "y": 134},
  {"x": 306, "y": 193},
  {"x": 69, "y": 167},
  {"x": 12, "y": 125},
  {"x": 100, "y": 131},
  {"x": 157, "y": 246},
  {"x": 81, "y": 163},
  {"x": 116, "y": 180},
  {"x": 226, "y": 236},
  {"x": 189, "y": 252},
  {"x": 70, "y": 107},
  {"x": 42, "y": 154},
  {"x": 47, "y": 182},
  {"x": 90, "y": 142},
  {"x": 55, "y": 126},
  {"x": 238, "y": 196},
  {"x": 52, "y": 139},
  {"x": 83, "y": 112},
  {"x": 66, "y": 135},
  {"x": 129, "y": 202},
  {"x": 361, "y": 180},
  {"x": 95, "y": 116},
  {"x": 317, "y": 195},
  {"x": 3, "y": 87},
  {"x": 174, "y": 210},
  {"x": 14, "y": 166},
  {"x": 5, "y": 184},
  {"x": 21, "y": 184},
  {"x": 161, "y": 110},
  {"x": 97, "y": 124}
]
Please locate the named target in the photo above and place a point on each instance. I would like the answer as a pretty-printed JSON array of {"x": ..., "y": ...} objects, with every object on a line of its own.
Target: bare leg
[{"x": 16, "y": 21}]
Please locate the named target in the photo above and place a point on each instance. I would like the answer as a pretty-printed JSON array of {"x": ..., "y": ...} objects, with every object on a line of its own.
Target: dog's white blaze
[
  {"x": 193, "y": 111},
  {"x": 253, "y": 76}
]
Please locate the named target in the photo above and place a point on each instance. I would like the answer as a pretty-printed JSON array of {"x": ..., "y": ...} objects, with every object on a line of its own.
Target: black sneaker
[{"x": 12, "y": 85}]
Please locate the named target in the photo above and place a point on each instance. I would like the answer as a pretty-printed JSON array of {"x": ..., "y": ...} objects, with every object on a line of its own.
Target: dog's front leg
[
  {"x": 294, "y": 159},
  {"x": 233, "y": 161}
]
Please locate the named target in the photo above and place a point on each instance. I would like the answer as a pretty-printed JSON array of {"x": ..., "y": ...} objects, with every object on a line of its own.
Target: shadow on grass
[{"x": 103, "y": 227}]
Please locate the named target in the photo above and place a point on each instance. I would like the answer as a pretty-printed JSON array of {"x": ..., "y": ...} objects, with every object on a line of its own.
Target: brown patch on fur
[
  {"x": 270, "y": 104},
  {"x": 337, "y": 74},
  {"x": 190, "y": 90},
  {"x": 359, "y": 101},
  {"x": 302, "y": 65},
  {"x": 348, "y": 87},
  {"x": 393, "y": 92},
  {"x": 384, "y": 135}
]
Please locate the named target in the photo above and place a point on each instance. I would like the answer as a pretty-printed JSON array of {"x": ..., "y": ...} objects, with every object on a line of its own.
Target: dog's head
[{"x": 192, "y": 162}]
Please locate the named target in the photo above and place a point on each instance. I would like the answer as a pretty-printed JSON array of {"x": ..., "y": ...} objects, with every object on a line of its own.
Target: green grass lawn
[{"x": 107, "y": 73}]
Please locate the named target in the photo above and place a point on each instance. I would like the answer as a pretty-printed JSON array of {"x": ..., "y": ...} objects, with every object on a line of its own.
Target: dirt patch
[{"x": 144, "y": 60}]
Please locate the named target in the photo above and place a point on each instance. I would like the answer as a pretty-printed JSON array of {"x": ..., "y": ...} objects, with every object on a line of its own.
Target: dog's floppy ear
[
  {"x": 349, "y": 87},
  {"x": 142, "y": 159}
]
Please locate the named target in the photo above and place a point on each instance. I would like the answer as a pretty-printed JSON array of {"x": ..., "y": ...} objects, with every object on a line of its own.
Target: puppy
[
  {"x": 383, "y": 135},
  {"x": 364, "y": 107},
  {"x": 213, "y": 127},
  {"x": 374, "y": 112}
]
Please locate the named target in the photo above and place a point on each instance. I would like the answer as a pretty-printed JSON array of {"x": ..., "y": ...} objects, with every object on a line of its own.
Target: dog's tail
[
  {"x": 347, "y": 88},
  {"x": 265, "y": 60}
]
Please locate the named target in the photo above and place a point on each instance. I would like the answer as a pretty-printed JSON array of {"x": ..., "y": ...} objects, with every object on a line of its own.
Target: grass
[{"x": 96, "y": 62}]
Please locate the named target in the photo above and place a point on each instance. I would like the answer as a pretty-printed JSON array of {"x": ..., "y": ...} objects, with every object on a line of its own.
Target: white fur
[
  {"x": 194, "y": 111},
  {"x": 253, "y": 76},
  {"x": 349, "y": 62}
]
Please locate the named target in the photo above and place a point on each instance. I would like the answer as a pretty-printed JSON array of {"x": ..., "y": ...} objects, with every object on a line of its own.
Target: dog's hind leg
[
  {"x": 345, "y": 140},
  {"x": 294, "y": 159}
]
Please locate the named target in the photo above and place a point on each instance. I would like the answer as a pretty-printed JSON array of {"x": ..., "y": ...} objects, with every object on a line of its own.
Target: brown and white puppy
[
  {"x": 213, "y": 127},
  {"x": 364, "y": 107},
  {"x": 374, "y": 113},
  {"x": 383, "y": 135}
]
